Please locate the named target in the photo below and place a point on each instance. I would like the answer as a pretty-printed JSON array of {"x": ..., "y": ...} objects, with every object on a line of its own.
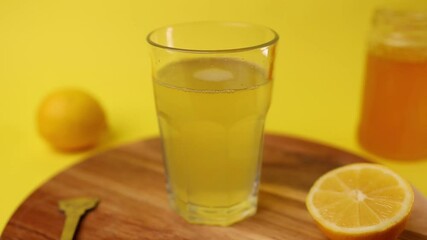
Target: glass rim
[
  {"x": 272, "y": 41},
  {"x": 415, "y": 14}
]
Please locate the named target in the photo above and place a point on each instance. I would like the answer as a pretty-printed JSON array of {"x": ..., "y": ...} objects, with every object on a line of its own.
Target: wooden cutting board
[{"x": 130, "y": 182}]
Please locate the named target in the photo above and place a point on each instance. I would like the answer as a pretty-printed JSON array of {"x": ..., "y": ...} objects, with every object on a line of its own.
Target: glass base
[{"x": 219, "y": 216}]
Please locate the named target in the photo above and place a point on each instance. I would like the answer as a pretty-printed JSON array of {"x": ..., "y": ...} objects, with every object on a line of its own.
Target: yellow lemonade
[{"x": 211, "y": 115}]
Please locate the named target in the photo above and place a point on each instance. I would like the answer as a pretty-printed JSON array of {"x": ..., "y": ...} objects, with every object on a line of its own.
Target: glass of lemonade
[{"x": 212, "y": 86}]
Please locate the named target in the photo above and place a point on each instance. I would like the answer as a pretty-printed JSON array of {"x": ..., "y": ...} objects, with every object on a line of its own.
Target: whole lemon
[{"x": 71, "y": 120}]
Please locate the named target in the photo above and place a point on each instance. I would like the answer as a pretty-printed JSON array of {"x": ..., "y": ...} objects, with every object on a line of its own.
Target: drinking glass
[{"x": 212, "y": 86}]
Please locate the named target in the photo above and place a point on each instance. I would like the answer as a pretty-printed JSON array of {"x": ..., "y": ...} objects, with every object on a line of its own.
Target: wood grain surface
[{"x": 130, "y": 183}]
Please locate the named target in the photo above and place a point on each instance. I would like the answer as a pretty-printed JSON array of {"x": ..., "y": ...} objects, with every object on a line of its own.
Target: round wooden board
[{"x": 130, "y": 183}]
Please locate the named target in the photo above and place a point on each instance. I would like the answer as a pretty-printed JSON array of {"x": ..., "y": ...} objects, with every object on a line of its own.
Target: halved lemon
[{"x": 361, "y": 201}]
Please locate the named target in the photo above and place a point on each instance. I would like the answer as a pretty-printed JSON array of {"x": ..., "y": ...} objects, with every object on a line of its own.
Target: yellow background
[{"x": 99, "y": 46}]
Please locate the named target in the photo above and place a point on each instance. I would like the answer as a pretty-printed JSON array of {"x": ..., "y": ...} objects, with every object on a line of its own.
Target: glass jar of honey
[{"x": 393, "y": 121}]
